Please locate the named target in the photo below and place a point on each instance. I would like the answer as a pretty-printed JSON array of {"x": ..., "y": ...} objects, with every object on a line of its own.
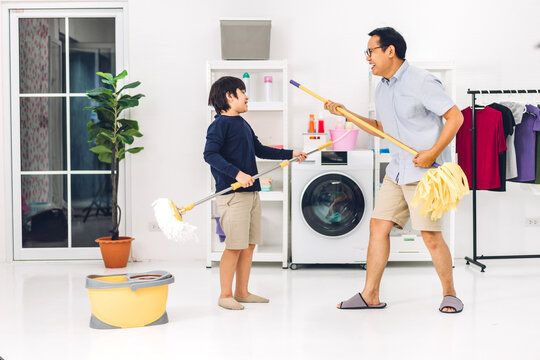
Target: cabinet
[
  {"x": 269, "y": 120},
  {"x": 407, "y": 244}
]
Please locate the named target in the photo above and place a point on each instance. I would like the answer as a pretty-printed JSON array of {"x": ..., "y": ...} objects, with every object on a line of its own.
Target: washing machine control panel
[{"x": 333, "y": 158}]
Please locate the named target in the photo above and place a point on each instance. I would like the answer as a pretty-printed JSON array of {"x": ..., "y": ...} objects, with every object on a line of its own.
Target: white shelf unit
[
  {"x": 407, "y": 244},
  {"x": 269, "y": 120}
]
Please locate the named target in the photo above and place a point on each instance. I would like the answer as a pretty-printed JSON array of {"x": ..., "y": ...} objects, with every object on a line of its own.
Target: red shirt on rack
[{"x": 490, "y": 142}]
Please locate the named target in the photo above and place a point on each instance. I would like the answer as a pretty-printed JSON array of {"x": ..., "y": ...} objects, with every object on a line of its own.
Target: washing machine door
[{"x": 333, "y": 204}]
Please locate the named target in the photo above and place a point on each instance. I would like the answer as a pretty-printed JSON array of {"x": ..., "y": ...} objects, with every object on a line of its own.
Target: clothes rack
[{"x": 475, "y": 258}]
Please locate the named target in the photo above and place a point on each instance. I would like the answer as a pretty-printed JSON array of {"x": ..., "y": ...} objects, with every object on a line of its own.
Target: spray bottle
[
  {"x": 246, "y": 79},
  {"x": 268, "y": 80}
]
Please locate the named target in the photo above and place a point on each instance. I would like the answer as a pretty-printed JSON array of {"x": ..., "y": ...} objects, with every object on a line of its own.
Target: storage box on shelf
[
  {"x": 407, "y": 244},
  {"x": 269, "y": 120}
]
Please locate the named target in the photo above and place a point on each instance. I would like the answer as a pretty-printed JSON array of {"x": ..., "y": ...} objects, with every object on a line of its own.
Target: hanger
[
  {"x": 530, "y": 113},
  {"x": 535, "y": 100},
  {"x": 478, "y": 105}
]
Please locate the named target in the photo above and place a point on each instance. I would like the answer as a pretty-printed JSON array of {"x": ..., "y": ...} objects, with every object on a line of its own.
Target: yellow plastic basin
[{"x": 128, "y": 300}]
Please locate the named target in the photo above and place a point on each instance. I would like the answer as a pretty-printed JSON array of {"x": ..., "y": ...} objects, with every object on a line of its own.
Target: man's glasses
[{"x": 369, "y": 50}]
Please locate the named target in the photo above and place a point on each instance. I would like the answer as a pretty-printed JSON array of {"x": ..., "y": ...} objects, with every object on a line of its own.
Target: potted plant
[{"x": 111, "y": 134}]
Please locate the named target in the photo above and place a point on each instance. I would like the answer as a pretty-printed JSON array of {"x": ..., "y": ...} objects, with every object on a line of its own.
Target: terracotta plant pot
[{"x": 115, "y": 253}]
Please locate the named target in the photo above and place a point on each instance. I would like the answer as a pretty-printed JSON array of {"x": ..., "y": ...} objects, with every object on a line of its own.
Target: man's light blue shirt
[{"x": 410, "y": 106}]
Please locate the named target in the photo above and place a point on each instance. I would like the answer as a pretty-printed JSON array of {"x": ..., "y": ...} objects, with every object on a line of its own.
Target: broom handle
[
  {"x": 358, "y": 121},
  {"x": 282, "y": 164}
]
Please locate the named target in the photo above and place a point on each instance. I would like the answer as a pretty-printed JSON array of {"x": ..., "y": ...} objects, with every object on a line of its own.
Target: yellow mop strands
[
  {"x": 169, "y": 216},
  {"x": 439, "y": 190}
]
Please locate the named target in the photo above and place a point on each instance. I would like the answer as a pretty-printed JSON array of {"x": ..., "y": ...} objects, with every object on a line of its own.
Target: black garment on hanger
[
  {"x": 508, "y": 126},
  {"x": 508, "y": 118}
]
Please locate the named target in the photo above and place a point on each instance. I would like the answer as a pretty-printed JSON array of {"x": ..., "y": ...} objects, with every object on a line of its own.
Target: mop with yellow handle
[
  {"x": 439, "y": 190},
  {"x": 169, "y": 216}
]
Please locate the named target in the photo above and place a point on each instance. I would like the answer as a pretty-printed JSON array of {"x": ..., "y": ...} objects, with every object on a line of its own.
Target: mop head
[
  {"x": 440, "y": 190},
  {"x": 170, "y": 221}
]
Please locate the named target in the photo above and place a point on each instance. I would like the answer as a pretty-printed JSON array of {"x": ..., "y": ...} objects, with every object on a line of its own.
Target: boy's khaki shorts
[
  {"x": 240, "y": 219},
  {"x": 393, "y": 204}
]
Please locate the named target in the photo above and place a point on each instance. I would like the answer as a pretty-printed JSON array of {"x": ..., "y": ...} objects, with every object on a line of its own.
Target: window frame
[{"x": 56, "y": 10}]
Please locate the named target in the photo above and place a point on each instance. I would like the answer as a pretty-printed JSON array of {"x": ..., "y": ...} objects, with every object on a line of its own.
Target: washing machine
[{"x": 331, "y": 205}]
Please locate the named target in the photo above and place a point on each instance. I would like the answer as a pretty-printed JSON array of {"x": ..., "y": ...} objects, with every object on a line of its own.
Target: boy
[{"x": 231, "y": 147}]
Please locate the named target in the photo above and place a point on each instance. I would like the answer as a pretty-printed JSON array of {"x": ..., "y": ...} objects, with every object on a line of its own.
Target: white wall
[{"x": 491, "y": 43}]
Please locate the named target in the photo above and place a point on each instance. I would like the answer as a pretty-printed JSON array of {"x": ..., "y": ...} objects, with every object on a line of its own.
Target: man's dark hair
[
  {"x": 389, "y": 36},
  {"x": 219, "y": 90}
]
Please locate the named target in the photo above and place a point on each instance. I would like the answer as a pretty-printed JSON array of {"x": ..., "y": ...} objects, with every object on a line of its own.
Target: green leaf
[
  {"x": 130, "y": 86},
  {"x": 93, "y": 130},
  {"x": 129, "y": 124},
  {"x": 121, "y": 154},
  {"x": 100, "y": 149},
  {"x": 91, "y": 108},
  {"x": 106, "y": 76},
  {"x": 127, "y": 104},
  {"x": 138, "y": 96},
  {"x": 101, "y": 141},
  {"x": 102, "y": 98},
  {"x": 135, "y": 150},
  {"x": 105, "y": 115},
  {"x": 105, "y": 157},
  {"x": 132, "y": 132},
  {"x": 99, "y": 91},
  {"x": 127, "y": 97},
  {"x": 108, "y": 134},
  {"x": 122, "y": 75},
  {"x": 126, "y": 139}
]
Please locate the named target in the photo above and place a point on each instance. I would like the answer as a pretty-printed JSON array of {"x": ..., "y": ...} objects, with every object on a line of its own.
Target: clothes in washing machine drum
[{"x": 333, "y": 204}]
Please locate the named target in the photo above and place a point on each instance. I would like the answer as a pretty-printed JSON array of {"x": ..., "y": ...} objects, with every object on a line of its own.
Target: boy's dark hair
[
  {"x": 219, "y": 90},
  {"x": 389, "y": 36}
]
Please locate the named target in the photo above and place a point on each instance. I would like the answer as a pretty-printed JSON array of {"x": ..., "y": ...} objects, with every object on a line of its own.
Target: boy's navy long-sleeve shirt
[{"x": 231, "y": 146}]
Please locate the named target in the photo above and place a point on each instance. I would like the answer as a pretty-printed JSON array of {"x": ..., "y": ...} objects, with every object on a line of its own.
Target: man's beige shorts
[
  {"x": 240, "y": 219},
  {"x": 393, "y": 204}
]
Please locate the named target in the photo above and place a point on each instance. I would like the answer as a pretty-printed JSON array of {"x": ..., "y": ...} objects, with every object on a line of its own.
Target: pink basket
[{"x": 348, "y": 142}]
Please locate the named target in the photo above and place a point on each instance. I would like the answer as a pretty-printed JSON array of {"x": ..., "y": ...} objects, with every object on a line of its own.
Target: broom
[
  {"x": 439, "y": 190},
  {"x": 169, "y": 216}
]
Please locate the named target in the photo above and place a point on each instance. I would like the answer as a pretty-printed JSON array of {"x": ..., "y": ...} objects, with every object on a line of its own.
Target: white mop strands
[{"x": 170, "y": 225}]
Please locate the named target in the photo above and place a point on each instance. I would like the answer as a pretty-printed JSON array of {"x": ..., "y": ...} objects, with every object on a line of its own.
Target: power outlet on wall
[
  {"x": 153, "y": 226},
  {"x": 532, "y": 221}
]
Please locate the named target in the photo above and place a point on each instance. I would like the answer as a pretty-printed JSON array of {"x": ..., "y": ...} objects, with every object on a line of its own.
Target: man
[{"x": 410, "y": 105}]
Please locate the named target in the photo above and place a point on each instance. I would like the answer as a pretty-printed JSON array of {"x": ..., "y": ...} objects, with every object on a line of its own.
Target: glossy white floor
[{"x": 44, "y": 314}]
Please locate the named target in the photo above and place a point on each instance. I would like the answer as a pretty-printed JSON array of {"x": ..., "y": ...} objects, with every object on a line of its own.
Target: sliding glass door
[{"x": 61, "y": 192}]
